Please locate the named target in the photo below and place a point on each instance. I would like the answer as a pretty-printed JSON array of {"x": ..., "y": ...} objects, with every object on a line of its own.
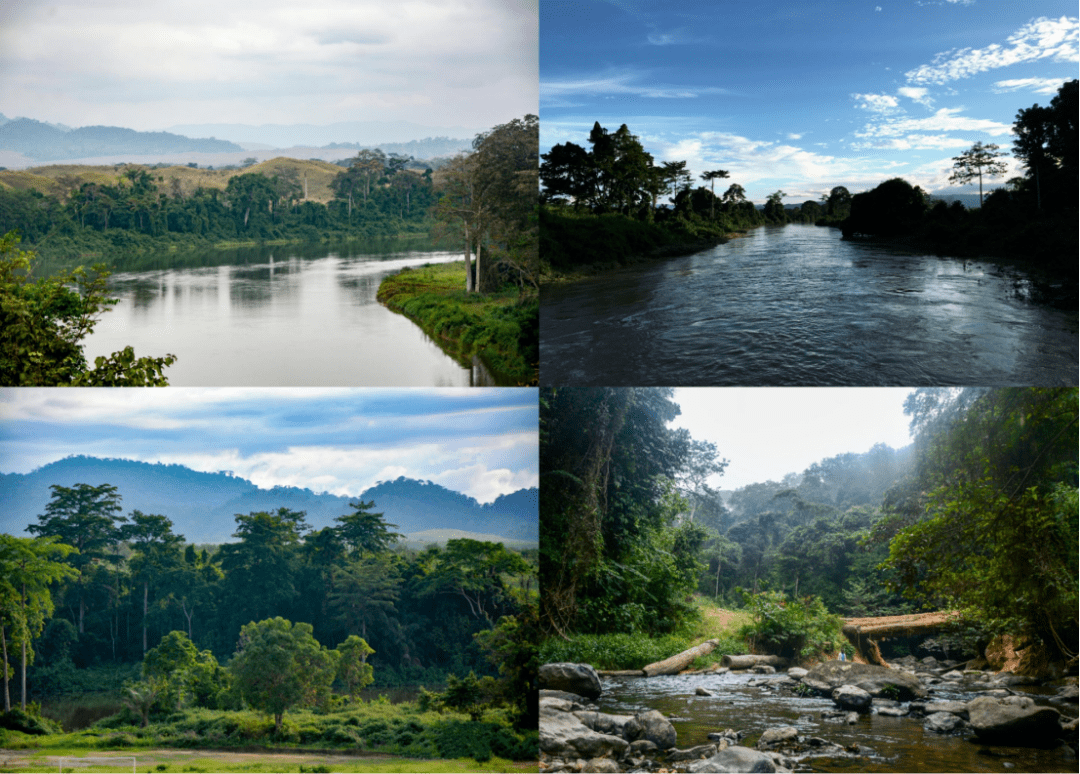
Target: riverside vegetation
[
  {"x": 463, "y": 616},
  {"x": 600, "y": 205},
  {"x": 484, "y": 201}
]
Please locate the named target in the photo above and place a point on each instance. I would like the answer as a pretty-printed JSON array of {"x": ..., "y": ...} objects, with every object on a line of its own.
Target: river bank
[
  {"x": 922, "y": 715},
  {"x": 501, "y": 328},
  {"x": 632, "y": 261}
]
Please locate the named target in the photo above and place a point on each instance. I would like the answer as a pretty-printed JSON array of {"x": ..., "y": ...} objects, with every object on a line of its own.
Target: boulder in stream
[
  {"x": 852, "y": 697},
  {"x": 574, "y": 678},
  {"x": 875, "y": 680},
  {"x": 657, "y": 729},
  {"x": 1014, "y": 720},
  {"x": 735, "y": 759}
]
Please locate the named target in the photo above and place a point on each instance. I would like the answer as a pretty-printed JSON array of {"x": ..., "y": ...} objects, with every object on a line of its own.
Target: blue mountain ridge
[{"x": 202, "y": 506}]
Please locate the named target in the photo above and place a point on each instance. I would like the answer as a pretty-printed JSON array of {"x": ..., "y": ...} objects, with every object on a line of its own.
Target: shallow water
[
  {"x": 797, "y": 305},
  {"x": 886, "y": 744},
  {"x": 271, "y": 317}
]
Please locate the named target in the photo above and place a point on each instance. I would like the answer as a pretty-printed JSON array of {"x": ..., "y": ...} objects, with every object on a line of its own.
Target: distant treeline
[
  {"x": 377, "y": 199},
  {"x": 600, "y": 204}
]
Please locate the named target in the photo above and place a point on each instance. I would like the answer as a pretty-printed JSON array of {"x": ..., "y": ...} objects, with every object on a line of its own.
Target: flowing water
[
  {"x": 797, "y": 305},
  {"x": 278, "y": 317},
  {"x": 885, "y": 744}
]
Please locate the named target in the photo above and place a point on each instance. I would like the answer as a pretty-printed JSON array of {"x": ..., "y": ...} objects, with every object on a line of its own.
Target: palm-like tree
[{"x": 712, "y": 176}]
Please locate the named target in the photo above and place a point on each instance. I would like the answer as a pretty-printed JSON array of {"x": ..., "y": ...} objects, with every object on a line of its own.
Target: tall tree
[
  {"x": 86, "y": 518},
  {"x": 975, "y": 162},
  {"x": 712, "y": 176},
  {"x": 366, "y": 532},
  {"x": 157, "y": 550}
]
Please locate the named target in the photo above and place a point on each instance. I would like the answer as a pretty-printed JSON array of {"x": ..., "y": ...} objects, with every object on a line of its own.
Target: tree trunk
[
  {"x": 145, "y": 589},
  {"x": 749, "y": 662},
  {"x": 679, "y": 662},
  {"x": 7, "y": 693},
  {"x": 468, "y": 261},
  {"x": 22, "y": 675}
]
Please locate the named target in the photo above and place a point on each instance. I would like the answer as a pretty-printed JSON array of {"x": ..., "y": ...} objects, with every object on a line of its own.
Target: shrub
[
  {"x": 791, "y": 628},
  {"x": 17, "y": 720},
  {"x": 612, "y": 651}
]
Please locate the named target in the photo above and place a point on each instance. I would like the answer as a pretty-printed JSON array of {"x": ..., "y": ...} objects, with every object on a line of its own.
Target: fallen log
[
  {"x": 620, "y": 673},
  {"x": 679, "y": 662},
  {"x": 749, "y": 662}
]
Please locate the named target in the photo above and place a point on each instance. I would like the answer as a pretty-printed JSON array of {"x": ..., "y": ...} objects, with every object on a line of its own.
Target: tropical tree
[
  {"x": 279, "y": 665},
  {"x": 975, "y": 162},
  {"x": 712, "y": 176},
  {"x": 157, "y": 550},
  {"x": 352, "y": 666},
  {"x": 43, "y": 322},
  {"x": 365, "y": 532}
]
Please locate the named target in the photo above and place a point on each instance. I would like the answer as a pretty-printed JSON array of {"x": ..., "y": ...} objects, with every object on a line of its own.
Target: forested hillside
[{"x": 202, "y": 505}]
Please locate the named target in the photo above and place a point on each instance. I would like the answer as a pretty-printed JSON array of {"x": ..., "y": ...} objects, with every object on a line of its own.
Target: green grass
[{"x": 501, "y": 327}]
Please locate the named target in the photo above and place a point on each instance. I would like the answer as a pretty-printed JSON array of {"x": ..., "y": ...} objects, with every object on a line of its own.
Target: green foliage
[
  {"x": 798, "y": 628},
  {"x": 184, "y": 674},
  {"x": 352, "y": 666},
  {"x": 279, "y": 665},
  {"x": 42, "y": 324},
  {"x": 28, "y": 723},
  {"x": 612, "y": 651},
  {"x": 992, "y": 530}
]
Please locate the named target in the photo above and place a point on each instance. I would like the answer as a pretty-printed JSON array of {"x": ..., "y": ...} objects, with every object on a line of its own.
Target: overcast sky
[
  {"x": 482, "y": 442},
  {"x": 151, "y": 64},
  {"x": 802, "y": 96},
  {"x": 767, "y": 433}
]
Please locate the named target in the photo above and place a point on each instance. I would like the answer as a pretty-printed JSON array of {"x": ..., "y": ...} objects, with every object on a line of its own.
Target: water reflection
[
  {"x": 797, "y": 305},
  {"x": 275, "y": 318}
]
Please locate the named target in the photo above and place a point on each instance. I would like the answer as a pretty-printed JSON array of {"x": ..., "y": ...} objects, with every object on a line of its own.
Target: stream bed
[{"x": 747, "y": 703}]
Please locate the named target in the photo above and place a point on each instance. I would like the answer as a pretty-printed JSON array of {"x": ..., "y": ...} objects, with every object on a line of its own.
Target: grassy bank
[
  {"x": 501, "y": 327},
  {"x": 372, "y": 729},
  {"x": 634, "y": 651},
  {"x": 576, "y": 245}
]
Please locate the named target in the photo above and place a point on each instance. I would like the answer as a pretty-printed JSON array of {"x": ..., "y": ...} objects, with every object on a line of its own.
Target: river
[
  {"x": 885, "y": 744},
  {"x": 273, "y": 317},
  {"x": 797, "y": 305}
]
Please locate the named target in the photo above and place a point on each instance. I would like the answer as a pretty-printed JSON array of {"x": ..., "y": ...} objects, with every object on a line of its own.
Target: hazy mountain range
[
  {"x": 202, "y": 506},
  {"x": 25, "y": 142}
]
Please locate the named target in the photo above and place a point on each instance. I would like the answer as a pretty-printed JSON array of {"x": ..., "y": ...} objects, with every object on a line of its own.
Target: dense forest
[
  {"x": 601, "y": 204},
  {"x": 979, "y": 515},
  {"x": 93, "y": 592}
]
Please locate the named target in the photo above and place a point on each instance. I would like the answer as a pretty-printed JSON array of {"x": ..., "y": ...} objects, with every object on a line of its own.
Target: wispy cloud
[
  {"x": 916, "y": 94},
  {"x": 877, "y": 103},
  {"x": 944, "y": 120},
  {"x": 1042, "y": 38},
  {"x": 629, "y": 84},
  {"x": 913, "y": 142},
  {"x": 1036, "y": 85}
]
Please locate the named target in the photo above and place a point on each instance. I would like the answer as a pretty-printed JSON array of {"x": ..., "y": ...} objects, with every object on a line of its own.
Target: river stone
[
  {"x": 943, "y": 722},
  {"x": 640, "y": 747},
  {"x": 735, "y": 760},
  {"x": 704, "y": 692},
  {"x": 895, "y": 712},
  {"x": 798, "y": 673},
  {"x": 575, "y": 678},
  {"x": 952, "y": 707},
  {"x": 873, "y": 679},
  {"x": 774, "y": 737},
  {"x": 562, "y": 734},
  {"x": 1013, "y": 720},
  {"x": 657, "y": 729},
  {"x": 574, "y": 698},
  {"x": 625, "y": 726},
  {"x": 602, "y": 765},
  {"x": 692, "y": 754},
  {"x": 852, "y": 697}
]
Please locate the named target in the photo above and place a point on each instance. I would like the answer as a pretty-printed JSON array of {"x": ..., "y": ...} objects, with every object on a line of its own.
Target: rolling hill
[{"x": 202, "y": 506}]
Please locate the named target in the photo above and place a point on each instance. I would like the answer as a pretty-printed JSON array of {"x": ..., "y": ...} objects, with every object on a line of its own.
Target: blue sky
[
  {"x": 482, "y": 442},
  {"x": 802, "y": 96}
]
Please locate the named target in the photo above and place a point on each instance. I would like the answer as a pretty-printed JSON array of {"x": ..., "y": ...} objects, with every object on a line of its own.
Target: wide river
[
  {"x": 278, "y": 317},
  {"x": 797, "y": 305}
]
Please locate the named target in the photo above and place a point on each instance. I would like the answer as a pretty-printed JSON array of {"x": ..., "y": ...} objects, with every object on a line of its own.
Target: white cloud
[
  {"x": 631, "y": 84},
  {"x": 794, "y": 136},
  {"x": 1037, "y": 85},
  {"x": 944, "y": 120},
  {"x": 914, "y": 142},
  {"x": 916, "y": 94},
  {"x": 1042, "y": 38},
  {"x": 877, "y": 103}
]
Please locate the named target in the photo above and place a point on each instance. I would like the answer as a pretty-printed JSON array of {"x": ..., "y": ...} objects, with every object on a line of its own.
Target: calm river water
[
  {"x": 796, "y": 305},
  {"x": 886, "y": 744},
  {"x": 271, "y": 317}
]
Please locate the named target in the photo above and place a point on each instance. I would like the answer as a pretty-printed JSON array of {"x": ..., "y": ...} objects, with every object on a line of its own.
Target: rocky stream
[{"x": 919, "y": 715}]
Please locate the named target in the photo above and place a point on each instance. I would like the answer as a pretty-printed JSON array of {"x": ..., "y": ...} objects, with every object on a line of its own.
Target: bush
[
  {"x": 612, "y": 651},
  {"x": 791, "y": 628},
  {"x": 27, "y": 723}
]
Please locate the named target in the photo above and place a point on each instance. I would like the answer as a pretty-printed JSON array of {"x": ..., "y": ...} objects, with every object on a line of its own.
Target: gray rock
[
  {"x": 625, "y": 726},
  {"x": 895, "y": 712},
  {"x": 703, "y": 692},
  {"x": 693, "y": 754},
  {"x": 798, "y": 672},
  {"x": 729, "y": 735},
  {"x": 959, "y": 708},
  {"x": 776, "y": 737},
  {"x": 657, "y": 729},
  {"x": 1014, "y": 719},
  {"x": 764, "y": 669},
  {"x": 735, "y": 760},
  {"x": 643, "y": 747},
  {"x": 575, "y": 678},
  {"x": 953, "y": 675},
  {"x": 875, "y": 680},
  {"x": 562, "y": 734},
  {"x": 852, "y": 697},
  {"x": 944, "y": 722},
  {"x": 602, "y": 766}
]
